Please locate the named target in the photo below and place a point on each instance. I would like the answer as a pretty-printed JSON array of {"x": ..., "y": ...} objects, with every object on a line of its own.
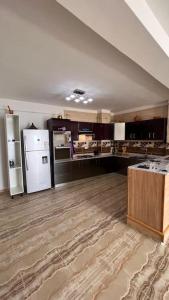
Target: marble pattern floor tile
[{"x": 73, "y": 243}]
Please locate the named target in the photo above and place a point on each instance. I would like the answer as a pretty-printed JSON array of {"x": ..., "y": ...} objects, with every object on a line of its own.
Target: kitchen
[
  {"x": 84, "y": 150},
  {"x": 105, "y": 145}
]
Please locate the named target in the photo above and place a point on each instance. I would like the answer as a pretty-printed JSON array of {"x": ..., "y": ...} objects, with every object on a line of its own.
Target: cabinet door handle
[{"x": 149, "y": 135}]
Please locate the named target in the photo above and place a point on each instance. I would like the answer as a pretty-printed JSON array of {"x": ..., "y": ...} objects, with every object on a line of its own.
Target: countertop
[
  {"x": 158, "y": 165},
  {"x": 79, "y": 157}
]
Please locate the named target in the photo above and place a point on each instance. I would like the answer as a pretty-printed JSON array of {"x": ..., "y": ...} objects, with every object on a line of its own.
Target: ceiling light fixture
[
  {"x": 79, "y": 96},
  {"x": 68, "y": 98}
]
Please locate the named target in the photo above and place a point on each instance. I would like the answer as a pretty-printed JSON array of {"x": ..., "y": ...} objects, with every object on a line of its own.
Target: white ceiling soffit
[
  {"x": 143, "y": 11},
  {"x": 46, "y": 52},
  {"x": 131, "y": 26},
  {"x": 160, "y": 8}
]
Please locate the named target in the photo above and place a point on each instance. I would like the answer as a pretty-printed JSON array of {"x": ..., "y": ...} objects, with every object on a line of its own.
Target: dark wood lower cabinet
[
  {"x": 62, "y": 172},
  {"x": 79, "y": 169}
]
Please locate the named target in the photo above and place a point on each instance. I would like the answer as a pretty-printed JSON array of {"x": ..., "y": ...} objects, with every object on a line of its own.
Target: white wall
[{"x": 28, "y": 112}]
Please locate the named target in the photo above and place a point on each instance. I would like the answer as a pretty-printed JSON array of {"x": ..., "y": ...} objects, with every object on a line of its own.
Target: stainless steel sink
[{"x": 143, "y": 167}]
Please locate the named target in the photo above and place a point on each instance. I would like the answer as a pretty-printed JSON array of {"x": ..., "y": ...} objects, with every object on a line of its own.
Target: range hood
[
  {"x": 85, "y": 131},
  {"x": 85, "y": 128}
]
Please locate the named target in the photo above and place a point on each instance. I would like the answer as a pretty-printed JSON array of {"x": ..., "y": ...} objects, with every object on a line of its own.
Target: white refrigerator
[{"x": 36, "y": 160}]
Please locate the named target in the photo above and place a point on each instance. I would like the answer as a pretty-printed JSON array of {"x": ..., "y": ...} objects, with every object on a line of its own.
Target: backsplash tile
[
  {"x": 105, "y": 146},
  {"x": 145, "y": 147}
]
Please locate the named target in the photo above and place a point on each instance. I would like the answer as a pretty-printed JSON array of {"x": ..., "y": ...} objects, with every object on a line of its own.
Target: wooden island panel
[
  {"x": 148, "y": 202},
  {"x": 145, "y": 197},
  {"x": 166, "y": 204}
]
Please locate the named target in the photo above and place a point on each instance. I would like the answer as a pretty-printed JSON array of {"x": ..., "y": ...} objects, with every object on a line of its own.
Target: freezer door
[
  {"x": 38, "y": 176},
  {"x": 35, "y": 139}
]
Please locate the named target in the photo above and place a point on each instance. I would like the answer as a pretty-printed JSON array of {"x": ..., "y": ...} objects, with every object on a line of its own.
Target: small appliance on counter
[
  {"x": 62, "y": 145},
  {"x": 36, "y": 160}
]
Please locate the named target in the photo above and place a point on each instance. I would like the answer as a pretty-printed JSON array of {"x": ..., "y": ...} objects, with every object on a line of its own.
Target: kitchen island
[{"x": 148, "y": 198}]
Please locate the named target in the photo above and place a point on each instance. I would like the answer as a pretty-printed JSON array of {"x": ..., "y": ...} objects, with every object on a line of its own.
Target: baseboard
[
  {"x": 145, "y": 229},
  {"x": 71, "y": 183}
]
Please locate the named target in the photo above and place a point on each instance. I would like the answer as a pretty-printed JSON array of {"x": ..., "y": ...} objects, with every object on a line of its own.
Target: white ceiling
[
  {"x": 124, "y": 24},
  {"x": 46, "y": 52}
]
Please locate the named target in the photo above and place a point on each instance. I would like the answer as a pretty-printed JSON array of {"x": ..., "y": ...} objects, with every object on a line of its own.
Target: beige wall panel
[
  {"x": 155, "y": 112},
  {"x": 104, "y": 117},
  {"x": 80, "y": 116}
]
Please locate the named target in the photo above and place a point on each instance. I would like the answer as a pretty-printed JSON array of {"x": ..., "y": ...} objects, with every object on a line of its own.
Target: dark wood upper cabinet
[
  {"x": 85, "y": 127},
  {"x": 98, "y": 131},
  {"x": 58, "y": 124},
  {"x": 154, "y": 129},
  {"x": 129, "y": 130},
  {"x": 103, "y": 131},
  {"x": 75, "y": 130},
  {"x": 109, "y": 131},
  {"x": 133, "y": 131}
]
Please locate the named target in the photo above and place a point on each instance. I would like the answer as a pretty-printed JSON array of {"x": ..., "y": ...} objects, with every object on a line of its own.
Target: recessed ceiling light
[
  {"x": 81, "y": 98},
  {"x": 77, "y": 100},
  {"x": 85, "y": 102},
  {"x": 90, "y": 100},
  {"x": 68, "y": 98},
  {"x": 72, "y": 96}
]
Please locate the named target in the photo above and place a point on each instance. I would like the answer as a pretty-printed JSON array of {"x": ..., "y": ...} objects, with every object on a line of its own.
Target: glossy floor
[{"x": 73, "y": 243}]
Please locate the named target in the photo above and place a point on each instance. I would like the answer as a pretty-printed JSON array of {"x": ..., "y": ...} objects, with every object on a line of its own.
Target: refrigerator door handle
[
  {"x": 26, "y": 162},
  {"x": 24, "y": 138}
]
